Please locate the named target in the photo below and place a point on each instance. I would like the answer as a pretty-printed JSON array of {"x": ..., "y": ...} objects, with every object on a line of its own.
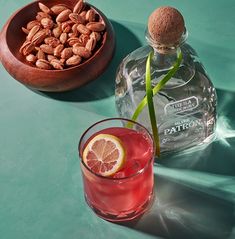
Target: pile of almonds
[{"x": 61, "y": 37}]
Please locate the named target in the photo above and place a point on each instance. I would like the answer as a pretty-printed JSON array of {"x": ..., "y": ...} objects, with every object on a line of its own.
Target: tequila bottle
[{"x": 186, "y": 106}]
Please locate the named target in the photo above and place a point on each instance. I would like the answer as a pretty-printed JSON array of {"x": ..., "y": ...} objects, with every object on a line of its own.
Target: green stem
[
  {"x": 155, "y": 90},
  {"x": 149, "y": 96}
]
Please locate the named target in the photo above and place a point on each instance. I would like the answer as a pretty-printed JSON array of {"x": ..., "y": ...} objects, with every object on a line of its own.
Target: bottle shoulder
[{"x": 133, "y": 67}]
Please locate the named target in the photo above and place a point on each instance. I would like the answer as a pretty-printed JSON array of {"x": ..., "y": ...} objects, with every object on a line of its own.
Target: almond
[
  {"x": 65, "y": 26},
  {"x": 58, "y": 50},
  {"x": 95, "y": 26},
  {"x": 25, "y": 30},
  {"x": 76, "y": 18},
  {"x": 81, "y": 51},
  {"x": 63, "y": 16},
  {"x": 41, "y": 15},
  {"x": 63, "y": 37},
  {"x": 44, "y": 8},
  {"x": 56, "y": 64},
  {"x": 40, "y": 36},
  {"x": 95, "y": 35},
  {"x": 73, "y": 40},
  {"x": 41, "y": 55},
  {"x": 57, "y": 9},
  {"x": 47, "y": 49},
  {"x": 83, "y": 15},
  {"x": 74, "y": 29},
  {"x": 78, "y": 7},
  {"x": 31, "y": 58},
  {"x": 33, "y": 23},
  {"x": 90, "y": 15},
  {"x": 90, "y": 45},
  {"x": 50, "y": 58},
  {"x": 74, "y": 60},
  {"x": 27, "y": 48},
  {"x": 71, "y": 35},
  {"x": 57, "y": 31},
  {"x": 47, "y": 22},
  {"x": 52, "y": 41},
  {"x": 83, "y": 39},
  {"x": 43, "y": 64},
  {"x": 67, "y": 53},
  {"x": 83, "y": 29},
  {"x": 32, "y": 32}
]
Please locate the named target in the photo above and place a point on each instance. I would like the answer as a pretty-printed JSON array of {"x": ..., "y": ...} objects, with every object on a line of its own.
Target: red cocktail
[{"x": 126, "y": 193}]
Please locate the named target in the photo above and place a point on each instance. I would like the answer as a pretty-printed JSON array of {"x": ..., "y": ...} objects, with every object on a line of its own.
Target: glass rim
[{"x": 122, "y": 178}]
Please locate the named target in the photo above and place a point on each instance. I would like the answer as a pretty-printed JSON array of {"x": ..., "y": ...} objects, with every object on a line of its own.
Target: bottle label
[
  {"x": 180, "y": 106},
  {"x": 182, "y": 125}
]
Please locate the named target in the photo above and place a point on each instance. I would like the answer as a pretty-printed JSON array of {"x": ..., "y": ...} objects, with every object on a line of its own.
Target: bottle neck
[
  {"x": 164, "y": 61},
  {"x": 165, "y": 55}
]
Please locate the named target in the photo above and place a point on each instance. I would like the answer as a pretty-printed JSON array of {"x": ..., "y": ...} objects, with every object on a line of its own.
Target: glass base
[{"x": 126, "y": 215}]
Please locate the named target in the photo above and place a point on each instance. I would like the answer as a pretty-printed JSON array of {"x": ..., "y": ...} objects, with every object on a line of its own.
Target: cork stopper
[{"x": 166, "y": 26}]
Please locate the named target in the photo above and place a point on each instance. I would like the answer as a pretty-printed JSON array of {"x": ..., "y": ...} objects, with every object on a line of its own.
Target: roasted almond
[
  {"x": 63, "y": 16},
  {"x": 57, "y": 31},
  {"x": 41, "y": 55},
  {"x": 25, "y": 30},
  {"x": 95, "y": 26},
  {"x": 83, "y": 39},
  {"x": 83, "y": 15},
  {"x": 90, "y": 15},
  {"x": 63, "y": 37},
  {"x": 67, "y": 53},
  {"x": 95, "y": 35},
  {"x": 74, "y": 60},
  {"x": 47, "y": 49},
  {"x": 76, "y": 18},
  {"x": 47, "y": 23},
  {"x": 73, "y": 40},
  {"x": 40, "y": 36},
  {"x": 51, "y": 57},
  {"x": 81, "y": 51},
  {"x": 83, "y": 29},
  {"x": 44, "y": 8},
  {"x": 31, "y": 58},
  {"x": 32, "y": 32},
  {"x": 27, "y": 48},
  {"x": 71, "y": 35},
  {"x": 90, "y": 45},
  {"x": 57, "y": 9},
  {"x": 74, "y": 29},
  {"x": 58, "y": 50},
  {"x": 78, "y": 7},
  {"x": 41, "y": 15},
  {"x": 65, "y": 26},
  {"x": 43, "y": 64},
  {"x": 33, "y": 23},
  {"x": 52, "y": 41},
  {"x": 56, "y": 64}
]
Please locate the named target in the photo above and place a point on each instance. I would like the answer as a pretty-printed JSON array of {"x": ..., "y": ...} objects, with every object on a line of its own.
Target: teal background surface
[{"x": 41, "y": 193}]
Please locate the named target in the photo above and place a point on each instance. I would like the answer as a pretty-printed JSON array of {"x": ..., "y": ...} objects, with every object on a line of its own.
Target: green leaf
[
  {"x": 149, "y": 96},
  {"x": 156, "y": 89}
]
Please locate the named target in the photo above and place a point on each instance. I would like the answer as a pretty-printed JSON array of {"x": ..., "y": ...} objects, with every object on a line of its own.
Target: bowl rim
[{"x": 87, "y": 61}]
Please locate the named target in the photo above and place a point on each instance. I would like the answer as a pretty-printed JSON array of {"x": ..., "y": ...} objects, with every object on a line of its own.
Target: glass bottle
[{"x": 185, "y": 107}]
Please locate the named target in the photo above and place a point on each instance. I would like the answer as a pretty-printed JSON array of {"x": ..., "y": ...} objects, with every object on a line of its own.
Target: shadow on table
[
  {"x": 183, "y": 212},
  {"x": 195, "y": 189},
  {"x": 102, "y": 87}
]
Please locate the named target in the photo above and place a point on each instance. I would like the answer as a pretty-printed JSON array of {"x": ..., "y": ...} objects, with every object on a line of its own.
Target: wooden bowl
[{"x": 12, "y": 38}]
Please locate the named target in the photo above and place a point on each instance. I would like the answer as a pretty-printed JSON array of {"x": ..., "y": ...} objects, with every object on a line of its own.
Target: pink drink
[{"x": 127, "y": 193}]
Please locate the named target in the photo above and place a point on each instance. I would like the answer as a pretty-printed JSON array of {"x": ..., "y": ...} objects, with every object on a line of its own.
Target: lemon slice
[{"x": 104, "y": 154}]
